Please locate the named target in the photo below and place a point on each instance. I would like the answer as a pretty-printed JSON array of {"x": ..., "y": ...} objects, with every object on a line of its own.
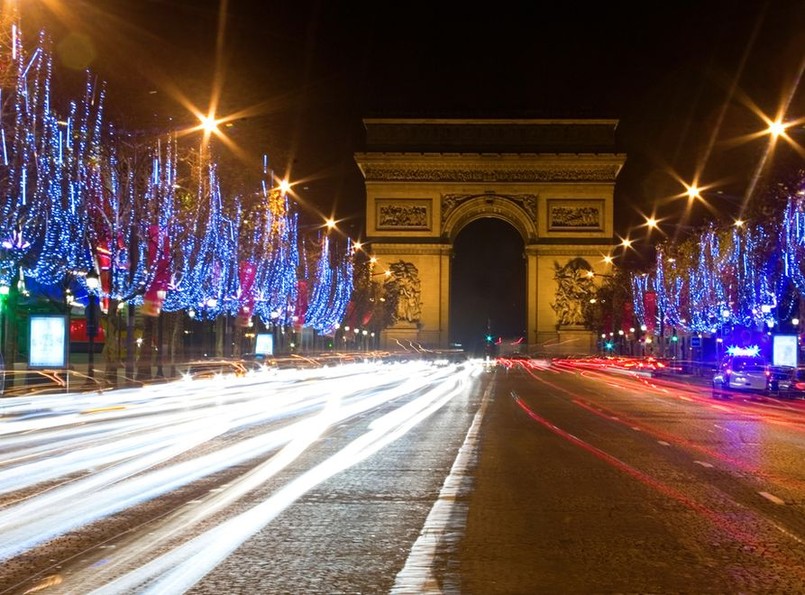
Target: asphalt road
[
  {"x": 415, "y": 478},
  {"x": 591, "y": 483}
]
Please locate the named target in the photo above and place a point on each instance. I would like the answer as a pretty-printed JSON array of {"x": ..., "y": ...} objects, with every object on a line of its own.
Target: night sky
[{"x": 688, "y": 81}]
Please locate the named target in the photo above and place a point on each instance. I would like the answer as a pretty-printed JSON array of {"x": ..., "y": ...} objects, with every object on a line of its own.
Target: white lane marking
[
  {"x": 703, "y": 463},
  {"x": 416, "y": 577},
  {"x": 663, "y": 442},
  {"x": 772, "y": 498},
  {"x": 685, "y": 398}
]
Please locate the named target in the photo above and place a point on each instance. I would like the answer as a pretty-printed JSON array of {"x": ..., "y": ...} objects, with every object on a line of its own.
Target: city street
[
  {"x": 590, "y": 482},
  {"x": 421, "y": 477},
  {"x": 320, "y": 299}
]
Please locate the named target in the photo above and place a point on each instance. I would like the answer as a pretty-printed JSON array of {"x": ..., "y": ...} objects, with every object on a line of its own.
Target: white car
[{"x": 745, "y": 374}]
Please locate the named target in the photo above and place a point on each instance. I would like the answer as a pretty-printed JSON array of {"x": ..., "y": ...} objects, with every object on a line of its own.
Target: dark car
[{"x": 788, "y": 383}]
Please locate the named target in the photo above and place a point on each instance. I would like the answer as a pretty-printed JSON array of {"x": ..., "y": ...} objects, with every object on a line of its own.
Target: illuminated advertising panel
[
  {"x": 47, "y": 341},
  {"x": 264, "y": 345},
  {"x": 784, "y": 350}
]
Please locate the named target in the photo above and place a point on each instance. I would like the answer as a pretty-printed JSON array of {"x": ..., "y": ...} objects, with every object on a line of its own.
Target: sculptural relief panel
[
  {"x": 403, "y": 214},
  {"x": 575, "y": 214},
  {"x": 405, "y": 277},
  {"x": 573, "y": 288}
]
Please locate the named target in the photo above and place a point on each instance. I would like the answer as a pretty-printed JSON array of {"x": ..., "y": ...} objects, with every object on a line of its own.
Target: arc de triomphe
[{"x": 552, "y": 180}]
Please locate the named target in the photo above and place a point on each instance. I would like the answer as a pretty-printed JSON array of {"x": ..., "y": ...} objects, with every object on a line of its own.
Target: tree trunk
[
  {"x": 145, "y": 361},
  {"x": 11, "y": 333},
  {"x": 175, "y": 347},
  {"x": 111, "y": 352},
  {"x": 131, "y": 345}
]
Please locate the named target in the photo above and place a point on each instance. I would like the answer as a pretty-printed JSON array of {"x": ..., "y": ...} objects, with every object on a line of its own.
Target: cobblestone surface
[{"x": 582, "y": 484}]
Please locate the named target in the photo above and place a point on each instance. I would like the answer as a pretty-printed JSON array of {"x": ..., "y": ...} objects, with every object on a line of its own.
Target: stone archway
[
  {"x": 518, "y": 210},
  {"x": 552, "y": 180},
  {"x": 487, "y": 286}
]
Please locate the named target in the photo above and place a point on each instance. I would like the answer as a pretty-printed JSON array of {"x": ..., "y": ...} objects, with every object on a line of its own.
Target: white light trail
[
  {"x": 121, "y": 463},
  {"x": 182, "y": 567}
]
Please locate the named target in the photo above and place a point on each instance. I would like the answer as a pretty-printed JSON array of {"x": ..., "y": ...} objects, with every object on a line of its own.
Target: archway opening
[{"x": 487, "y": 286}]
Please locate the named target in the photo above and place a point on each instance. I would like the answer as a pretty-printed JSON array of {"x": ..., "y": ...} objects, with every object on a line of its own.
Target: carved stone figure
[
  {"x": 406, "y": 277},
  {"x": 574, "y": 286}
]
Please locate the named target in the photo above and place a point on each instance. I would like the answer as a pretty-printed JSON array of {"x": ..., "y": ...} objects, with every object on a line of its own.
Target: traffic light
[
  {"x": 489, "y": 338},
  {"x": 674, "y": 338}
]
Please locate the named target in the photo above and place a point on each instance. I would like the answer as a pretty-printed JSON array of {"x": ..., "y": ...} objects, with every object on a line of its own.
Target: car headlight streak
[
  {"x": 179, "y": 569},
  {"x": 128, "y": 461}
]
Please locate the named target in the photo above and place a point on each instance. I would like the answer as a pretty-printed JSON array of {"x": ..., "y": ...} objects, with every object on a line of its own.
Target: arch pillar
[
  {"x": 431, "y": 263},
  {"x": 531, "y": 291}
]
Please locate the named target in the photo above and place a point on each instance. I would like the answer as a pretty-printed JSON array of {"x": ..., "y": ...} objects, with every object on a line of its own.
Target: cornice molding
[
  {"x": 402, "y": 249},
  {"x": 567, "y": 249},
  {"x": 434, "y": 168}
]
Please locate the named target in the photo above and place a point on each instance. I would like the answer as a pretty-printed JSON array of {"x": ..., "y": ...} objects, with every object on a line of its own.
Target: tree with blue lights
[
  {"x": 332, "y": 287},
  {"x": 79, "y": 195},
  {"x": 276, "y": 280},
  {"x": 736, "y": 277},
  {"x": 28, "y": 159}
]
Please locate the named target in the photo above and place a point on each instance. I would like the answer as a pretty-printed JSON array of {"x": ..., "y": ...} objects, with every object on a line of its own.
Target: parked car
[
  {"x": 788, "y": 383},
  {"x": 743, "y": 374}
]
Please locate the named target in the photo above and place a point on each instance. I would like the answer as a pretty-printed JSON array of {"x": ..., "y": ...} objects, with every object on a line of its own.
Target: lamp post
[
  {"x": 161, "y": 293},
  {"x": 4, "y": 291},
  {"x": 93, "y": 282}
]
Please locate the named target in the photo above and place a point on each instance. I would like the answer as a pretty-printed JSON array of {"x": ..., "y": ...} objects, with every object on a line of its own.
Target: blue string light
[
  {"x": 78, "y": 195},
  {"x": 739, "y": 277}
]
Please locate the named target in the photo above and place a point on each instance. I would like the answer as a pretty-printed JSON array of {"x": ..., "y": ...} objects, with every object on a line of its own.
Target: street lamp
[
  {"x": 93, "y": 282},
  {"x": 161, "y": 294},
  {"x": 4, "y": 292}
]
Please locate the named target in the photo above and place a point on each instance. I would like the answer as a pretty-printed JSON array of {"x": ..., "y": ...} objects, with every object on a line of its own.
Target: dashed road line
[
  {"x": 704, "y": 464},
  {"x": 772, "y": 498},
  {"x": 417, "y": 577}
]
